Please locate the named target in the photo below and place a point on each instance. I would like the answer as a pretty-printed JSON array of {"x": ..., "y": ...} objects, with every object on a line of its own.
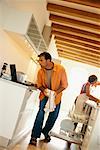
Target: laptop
[
  {"x": 13, "y": 72},
  {"x": 14, "y": 75}
]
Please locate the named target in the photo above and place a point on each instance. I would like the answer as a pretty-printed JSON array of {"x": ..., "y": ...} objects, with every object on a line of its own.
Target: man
[{"x": 53, "y": 77}]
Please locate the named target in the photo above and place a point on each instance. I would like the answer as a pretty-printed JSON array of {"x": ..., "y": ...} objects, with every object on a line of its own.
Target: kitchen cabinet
[{"x": 17, "y": 111}]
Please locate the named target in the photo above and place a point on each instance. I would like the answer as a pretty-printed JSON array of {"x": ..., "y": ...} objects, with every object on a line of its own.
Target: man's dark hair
[
  {"x": 92, "y": 78},
  {"x": 46, "y": 55}
]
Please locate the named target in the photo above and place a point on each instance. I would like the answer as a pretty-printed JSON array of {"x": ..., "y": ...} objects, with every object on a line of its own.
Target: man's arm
[
  {"x": 64, "y": 82},
  {"x": 41, "y": 88},
  {"x": 59, "y": 90}
]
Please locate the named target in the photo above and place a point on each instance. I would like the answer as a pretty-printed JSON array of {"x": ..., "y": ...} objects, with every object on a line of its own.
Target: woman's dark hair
[
  {"x": 46, "y": 55},
  {"x": 92, "y": 78}
]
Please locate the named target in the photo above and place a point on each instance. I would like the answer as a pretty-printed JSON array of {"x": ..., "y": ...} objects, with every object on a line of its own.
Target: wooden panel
[
  {"x": 78, "y": 32},
  {"x": 77, "y": 38},
  {"x": 76, "y": 29},
  {"x": 76, "y": 48},
  {"x": 80, "y": 14},
  {"x": 73, "y": 23},
  {"x": 79, "y": 54},
  {"x": 93, "y": 48},
  {"x": 79, "y": 60},
  {"x": 79, "y": 57},
  {"x": 93, "y": 3},
  {"x": 77, "y": 51}
]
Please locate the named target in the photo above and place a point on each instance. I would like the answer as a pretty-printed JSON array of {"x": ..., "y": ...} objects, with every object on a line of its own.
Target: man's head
[
  {"x": 44, "y": 59},
  {"x": 92, "y": 79}
]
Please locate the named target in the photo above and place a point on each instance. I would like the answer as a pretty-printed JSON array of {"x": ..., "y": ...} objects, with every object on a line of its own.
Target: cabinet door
[{"x": 11, "y": 98}]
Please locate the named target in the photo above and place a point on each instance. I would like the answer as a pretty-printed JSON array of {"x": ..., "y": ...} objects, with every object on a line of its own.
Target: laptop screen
[{"x": 13, "y": 72}]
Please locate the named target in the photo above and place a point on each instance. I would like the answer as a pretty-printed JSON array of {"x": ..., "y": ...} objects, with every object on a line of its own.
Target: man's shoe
[
  {"x": 47, "y": 139},
  {"x": 33, "y": 141}
]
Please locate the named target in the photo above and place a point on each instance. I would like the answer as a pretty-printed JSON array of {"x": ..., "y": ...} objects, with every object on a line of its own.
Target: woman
[{"x": 86, "y": 95}]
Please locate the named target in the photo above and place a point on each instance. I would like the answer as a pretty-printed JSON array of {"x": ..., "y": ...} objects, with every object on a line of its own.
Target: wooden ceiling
[{"x": 76, "y": 29}]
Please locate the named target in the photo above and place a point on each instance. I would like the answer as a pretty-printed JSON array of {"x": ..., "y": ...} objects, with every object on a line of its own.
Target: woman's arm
[
  {"x": 90, "y": 96},
  {"x": 97, "y": 83}
]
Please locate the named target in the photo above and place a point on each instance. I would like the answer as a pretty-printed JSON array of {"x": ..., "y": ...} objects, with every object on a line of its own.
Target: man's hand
[{"x": 47, "y": 92}]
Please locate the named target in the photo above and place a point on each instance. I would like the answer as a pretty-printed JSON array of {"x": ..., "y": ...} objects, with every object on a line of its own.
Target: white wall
[
  {"x": 32, "y": 71},
  {"x": 52, "y": 48},
  {"x": 37, "y": 7},
  {"x": 1, "y": 13},
  {"x": 11, "y": 53}
]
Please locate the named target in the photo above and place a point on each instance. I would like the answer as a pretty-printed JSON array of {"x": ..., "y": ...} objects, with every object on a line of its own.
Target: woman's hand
[{"x": 96, "y": 84}]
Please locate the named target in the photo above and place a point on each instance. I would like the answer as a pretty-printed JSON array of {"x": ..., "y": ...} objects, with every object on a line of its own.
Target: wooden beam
[
  {"x": 87, "y": 52},
  {"x": 74, "y": 23},
  {"x": 76, "y": 43},
  {"x": 92, "y": 3},
  {"x": 81, "y": 44},
  {"x": 75, "y": 46},
  {"x": 66, "y": 48},
  {"x": 79, "y": 14},
  {"x": 80, "y": 60},
  {"x": 76, "y": 32},
  {"x": 79, "y": 54},
  {"x": 79, "y": 57},
  {"x": 77, "y": 38}
]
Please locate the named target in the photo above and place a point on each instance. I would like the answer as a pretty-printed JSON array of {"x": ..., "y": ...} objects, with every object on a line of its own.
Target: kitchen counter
[
  {"x": 21, "y": 84},
  {"x": 17, "y": 103}
]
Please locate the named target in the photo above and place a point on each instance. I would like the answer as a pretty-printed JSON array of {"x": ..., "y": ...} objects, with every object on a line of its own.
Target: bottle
[{"x": 3, "y": 70}]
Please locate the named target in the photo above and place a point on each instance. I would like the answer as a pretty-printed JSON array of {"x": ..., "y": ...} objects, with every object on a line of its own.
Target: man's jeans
[{"x": 37, "y": 128}]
